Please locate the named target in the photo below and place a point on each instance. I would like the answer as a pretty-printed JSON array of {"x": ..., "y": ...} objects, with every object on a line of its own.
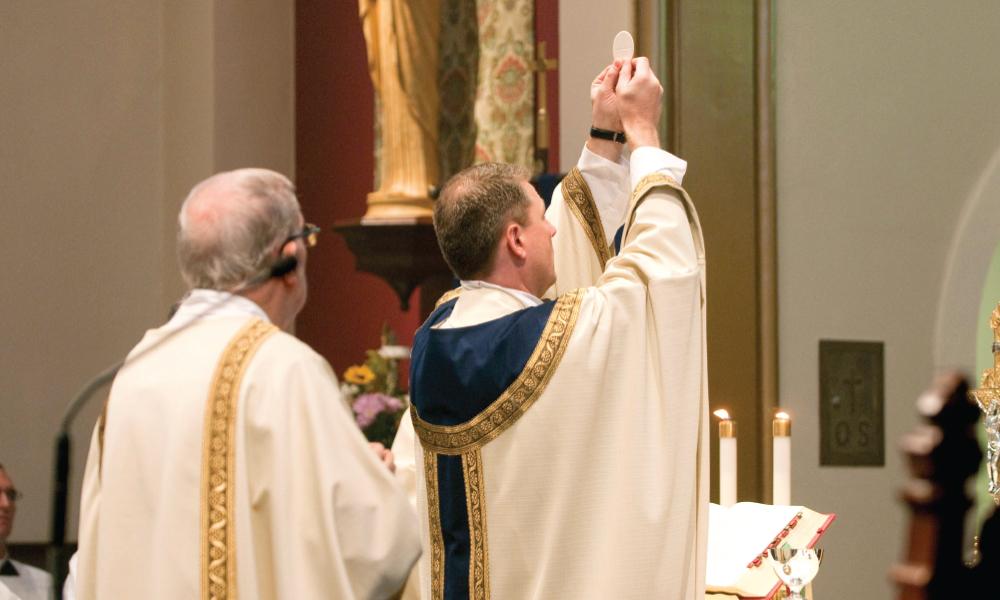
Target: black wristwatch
[{"x": 607, "y": 134}]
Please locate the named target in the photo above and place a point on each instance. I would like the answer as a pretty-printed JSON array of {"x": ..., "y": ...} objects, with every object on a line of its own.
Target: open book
[{"x": 738, "y": 540}]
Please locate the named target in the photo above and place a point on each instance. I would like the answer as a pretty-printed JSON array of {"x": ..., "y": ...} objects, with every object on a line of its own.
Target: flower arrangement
[{"x": 372, "y": 390}]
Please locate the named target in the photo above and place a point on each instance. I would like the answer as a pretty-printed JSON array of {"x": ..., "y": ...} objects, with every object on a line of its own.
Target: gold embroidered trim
[
  {"x": 516, "y": 399},
  {"x": 218, "y": 471},
  {"x": 645, "y": 185},
  {"x": 434, "y": 523},
  {"x": 449, "y": 295},
  {"x": 653, "y": 180},
  {"x": 581, "y": 204},
  {"x": 475, "y": 502}
]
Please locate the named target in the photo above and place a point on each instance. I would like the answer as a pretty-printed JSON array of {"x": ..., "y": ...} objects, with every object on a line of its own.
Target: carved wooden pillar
[{"x": 943, "y": 454}]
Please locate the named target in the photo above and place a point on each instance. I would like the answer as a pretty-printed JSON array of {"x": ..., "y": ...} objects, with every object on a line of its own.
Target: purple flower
[
  {"x": 368, "y": 406},
  {"x": 393, "y": 404}
]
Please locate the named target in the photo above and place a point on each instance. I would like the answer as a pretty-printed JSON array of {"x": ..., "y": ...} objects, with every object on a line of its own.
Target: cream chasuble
[
  {"x": 227, "y": 466},
  {"x": 563, "y": 448}
]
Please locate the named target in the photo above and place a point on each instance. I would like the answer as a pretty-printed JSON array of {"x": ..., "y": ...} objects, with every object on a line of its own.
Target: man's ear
[
  {"x": 290, "y": 261},
  {"x": 514, "y": 241}
]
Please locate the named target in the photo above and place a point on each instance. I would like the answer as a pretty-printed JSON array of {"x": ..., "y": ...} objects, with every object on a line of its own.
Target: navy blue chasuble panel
[
  {"x": 618, "y": 240},
  {"x": 454, "y": 527},
  {"x": 454, "y": 375}
]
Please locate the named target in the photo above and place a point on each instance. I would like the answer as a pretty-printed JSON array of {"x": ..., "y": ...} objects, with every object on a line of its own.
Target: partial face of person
[
  {"x": 302, "y": 253},
  {"x": 537, "y": 235},
  {"x": 8, "y": 505},
  {"x": 306, "y": 237}
]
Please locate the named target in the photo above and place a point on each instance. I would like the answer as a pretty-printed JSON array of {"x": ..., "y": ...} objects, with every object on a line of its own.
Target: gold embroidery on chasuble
[
  {"x": 434, "y": 518},
  {"x": 581, "y": 203},
  {"x": 475, "y": 502},
  {"x": 646, "y": 185},
  {"x": 218, "y": 472},
  {"x": 467, "y": 440},
  {"x": 503, "y": 412},
  {"x": 449, "y": 295}
]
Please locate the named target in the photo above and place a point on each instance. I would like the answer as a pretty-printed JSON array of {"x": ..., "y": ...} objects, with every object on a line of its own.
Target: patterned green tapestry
[{"x": 457, "y": 77}]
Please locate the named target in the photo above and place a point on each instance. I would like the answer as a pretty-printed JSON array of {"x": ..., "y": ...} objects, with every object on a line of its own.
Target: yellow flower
[{"x": 359, "y": 374}]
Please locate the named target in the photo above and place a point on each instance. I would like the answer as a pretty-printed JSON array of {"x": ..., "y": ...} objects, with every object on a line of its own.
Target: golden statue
[
  {"x": 988, "y": 399},
  {"x": 991, "y": 376},
  {"x": 402, "y": 40},
  {"x": 995, "y": 324}
]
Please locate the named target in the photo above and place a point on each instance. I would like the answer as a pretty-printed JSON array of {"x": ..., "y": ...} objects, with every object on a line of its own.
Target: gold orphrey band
[{"x": 218, "y": 473}]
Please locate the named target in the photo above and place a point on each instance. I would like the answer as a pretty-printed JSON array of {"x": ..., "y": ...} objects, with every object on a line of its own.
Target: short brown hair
[{"x": 471, "y": 212}]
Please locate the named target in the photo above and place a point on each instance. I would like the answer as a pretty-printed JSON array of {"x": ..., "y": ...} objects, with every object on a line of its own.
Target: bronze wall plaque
[{"x": 851, "y": 403}]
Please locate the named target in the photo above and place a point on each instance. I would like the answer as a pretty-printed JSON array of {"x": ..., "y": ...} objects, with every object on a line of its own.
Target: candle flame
[
  {"x": 783, "y": 416},
  {"x": 722, "y": 414}
]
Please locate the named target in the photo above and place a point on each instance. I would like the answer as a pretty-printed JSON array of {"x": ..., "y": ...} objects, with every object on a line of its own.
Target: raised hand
[
  {"x": 603, "y": 102},
  {"x": 639, "y": 95},
  {"x": 604, "y": 112}
]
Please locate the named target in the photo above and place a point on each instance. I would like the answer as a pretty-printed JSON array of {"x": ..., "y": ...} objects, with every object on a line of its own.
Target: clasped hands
[{"x": 626, "y": 96}]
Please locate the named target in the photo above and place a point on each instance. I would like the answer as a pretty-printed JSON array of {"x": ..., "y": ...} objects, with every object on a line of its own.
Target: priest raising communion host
[
  {"x": 562, "y": 446},
  {"x": 225, "y": 464}
]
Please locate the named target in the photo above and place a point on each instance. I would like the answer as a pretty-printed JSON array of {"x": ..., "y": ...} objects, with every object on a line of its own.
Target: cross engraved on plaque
[{"x": 852, "y": 411}]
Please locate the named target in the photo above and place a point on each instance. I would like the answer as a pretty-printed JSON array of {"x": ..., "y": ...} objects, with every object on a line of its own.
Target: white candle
[
  {"x": 727, "y": 458},
  {"x": 781, "y": 428}
]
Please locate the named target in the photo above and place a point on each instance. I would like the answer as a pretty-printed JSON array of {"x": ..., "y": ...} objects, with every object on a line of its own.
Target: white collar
[
  {"x": 526, "y": 298},
  {"x": 212, "y": 304}
]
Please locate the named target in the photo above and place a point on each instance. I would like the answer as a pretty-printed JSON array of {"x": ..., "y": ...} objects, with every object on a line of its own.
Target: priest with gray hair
[{"x": 225, "y": 463}]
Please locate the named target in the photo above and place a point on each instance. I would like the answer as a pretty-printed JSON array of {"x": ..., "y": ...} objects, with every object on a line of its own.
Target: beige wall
[
  {"x": 109, "y": 112},
  {"x": 586, "y": 31},
  {"x": 888, "y": 117}
]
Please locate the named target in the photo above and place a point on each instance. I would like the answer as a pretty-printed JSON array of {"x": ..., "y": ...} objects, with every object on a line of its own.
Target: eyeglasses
[
  {"x": 11, "y": 494},
  {"x": 309, "y": 233}
]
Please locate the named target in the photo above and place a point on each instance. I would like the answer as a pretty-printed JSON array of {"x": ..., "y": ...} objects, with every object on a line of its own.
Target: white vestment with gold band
[
  {"x": 587, "y": 477},
  {"x": 273, "y": 495}
]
